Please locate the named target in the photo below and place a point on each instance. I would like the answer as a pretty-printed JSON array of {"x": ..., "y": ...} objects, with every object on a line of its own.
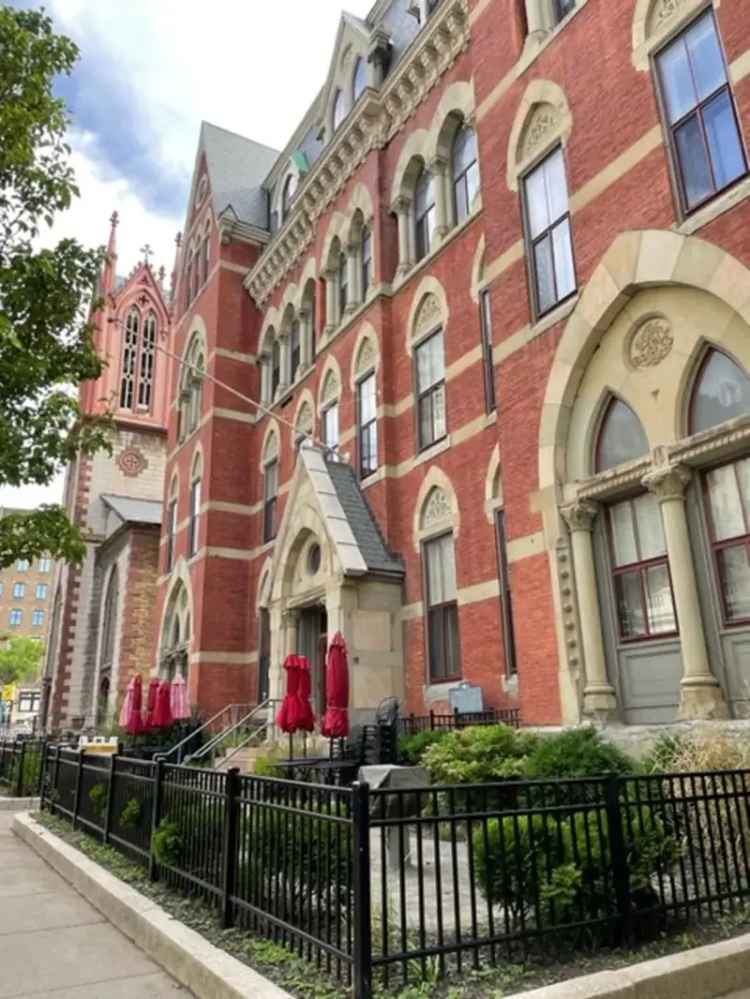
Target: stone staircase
[{"x": 244, "y": 759}]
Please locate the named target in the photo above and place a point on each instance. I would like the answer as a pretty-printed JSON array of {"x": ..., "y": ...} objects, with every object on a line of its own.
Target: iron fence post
[
  {"x": 21, "y": 747},
  {"x": 231, "y": 843},
  {"x": 79, "y": 785},
  {"x": 153, "y": 869},
  {"x": 362, "y": 891},
  {"x": 432, "y": 720},
  {"x": 42, "y": 773},
  {"x": 110, "y": 799},
  {"x": 618, "y": 849},
  {"x": 55, "y": 781}
]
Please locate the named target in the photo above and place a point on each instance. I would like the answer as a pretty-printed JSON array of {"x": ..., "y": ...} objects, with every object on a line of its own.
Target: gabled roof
[
  {"x": 236, "y": 169},
  {"x": 134, "y": 511}
]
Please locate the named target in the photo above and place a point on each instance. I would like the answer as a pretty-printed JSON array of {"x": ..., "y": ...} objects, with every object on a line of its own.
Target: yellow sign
[{"x": 9, "y": 692}]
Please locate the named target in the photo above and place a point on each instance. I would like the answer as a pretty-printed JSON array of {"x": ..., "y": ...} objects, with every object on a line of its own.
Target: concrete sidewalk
[{"x": 54, "y": 945}]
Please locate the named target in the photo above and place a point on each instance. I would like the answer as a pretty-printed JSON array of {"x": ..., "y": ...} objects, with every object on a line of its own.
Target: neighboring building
[
  {"x": 502, "y": 270},
  {"x": 103, "y": 613},
  {"x": 26, "y": 595}
]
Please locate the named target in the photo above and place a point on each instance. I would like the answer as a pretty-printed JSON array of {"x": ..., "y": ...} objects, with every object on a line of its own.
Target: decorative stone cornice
[
  {"x": 580, "y": 516},
  {"x": 371, "y": 126},
  {"x": 668, "y": 483}
]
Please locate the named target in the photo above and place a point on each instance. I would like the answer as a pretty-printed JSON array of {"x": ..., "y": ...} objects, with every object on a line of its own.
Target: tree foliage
[
  {"x": 46, "y": 347},
  {"x": 20, "y": 659}
]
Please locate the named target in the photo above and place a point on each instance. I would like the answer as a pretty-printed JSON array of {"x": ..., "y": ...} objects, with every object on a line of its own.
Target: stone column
[
  {"x": 443, "y": 203},
  {"x": 331, "y": 304},
  {"x": 353, "y": 277},
  {"x": 306, "y": 320},
  {"x": 536, "y": 18},
  {"x": 265, "y": 379},
  {"x": 599, "y": 698},
  {"x": 700, "y": 693},
  {"x": 402, "y": 208}
]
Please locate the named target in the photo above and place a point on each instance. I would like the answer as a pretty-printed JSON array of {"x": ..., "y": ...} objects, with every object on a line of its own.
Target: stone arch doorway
[{"x": 332, "y": 572}]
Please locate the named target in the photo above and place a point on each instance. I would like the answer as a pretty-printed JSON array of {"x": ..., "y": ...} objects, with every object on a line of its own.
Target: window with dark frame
[
  {"x": 721, "y": 392},
  {"x": 727, "y": 502},
  {"x": 366, "y": 262},
  {"x": 264, "y": 655},
  {"x": 130, "y": 359},
  {"x": 704, "y": 133},
  {"x": 330, "y": 417},
  {"x": 37, "y": 618},
  {"x": 621, "y": 437},
  {"x": 485, "y": 319},
  {"x": 425, "y": 214},
  {"x": 343, "y": 284},
  {"x": 19, "y": 590},
  {"x": 295, "y": 342},
  {"x": 41, "y": 591},
  {"x": 205, "y": 256},
  {"x": 147, "y": 362},
  {"x": 275, "y": 367},
  {"x": 368, "y": 425},
  {"x": 506, "y": 597},
  {"x": 16, "y": 618},
  {"x": 641, "y": 577},
  {"x": 172, "y": 534},
  {"x": 465, "y": 168},
  {"x": 109, "y": 619},
  {"x": 270, "y": 500},
  {"x": 430, "y": 365},
  {"x": 443, "y": 641},
  {"x": 548, "y": 233},
  {"x": 195, "y": 512}
]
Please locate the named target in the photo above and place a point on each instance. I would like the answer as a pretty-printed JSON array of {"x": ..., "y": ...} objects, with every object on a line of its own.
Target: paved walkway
[{"x": 54, "y": 944}]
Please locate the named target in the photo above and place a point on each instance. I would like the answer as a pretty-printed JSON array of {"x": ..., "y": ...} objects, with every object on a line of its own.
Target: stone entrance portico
[{"x": 329, "y": 553}]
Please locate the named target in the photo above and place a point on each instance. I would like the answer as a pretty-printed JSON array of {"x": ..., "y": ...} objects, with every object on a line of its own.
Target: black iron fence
[
  {"x": 21, "y": 766},
  {"x": 433, "y": 722},
  {"x": 389, "y": 887}
]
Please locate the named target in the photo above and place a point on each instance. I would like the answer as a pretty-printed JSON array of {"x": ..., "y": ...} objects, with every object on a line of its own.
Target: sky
[{"x": 150, "y": 72}]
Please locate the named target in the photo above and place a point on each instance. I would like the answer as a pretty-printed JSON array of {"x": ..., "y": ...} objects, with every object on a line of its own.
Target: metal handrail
[
  {"x": 253, "y": 735},
  {"x": 189, "y": 738},
  {"x": 211, "y": 745}
]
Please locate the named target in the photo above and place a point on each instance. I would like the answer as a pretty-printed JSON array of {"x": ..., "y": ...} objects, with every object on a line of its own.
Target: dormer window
[
  {"x": 359, "y": 81},
  {"x": 339, "y": 110},
  {"x": 290, "y": 189}
]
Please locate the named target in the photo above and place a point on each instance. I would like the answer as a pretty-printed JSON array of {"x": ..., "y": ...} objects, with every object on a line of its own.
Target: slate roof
[
  {"x": 135, "y": 511},
  {"x": 237, "y": 167},
  {"x": 362, "y": 521}
]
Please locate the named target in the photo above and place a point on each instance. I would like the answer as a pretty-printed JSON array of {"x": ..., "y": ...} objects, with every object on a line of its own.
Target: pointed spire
[
  {"x": 114, "y": 221},
  {"x": 176, "y": 266},
  {"x": 109, "y": 278}
]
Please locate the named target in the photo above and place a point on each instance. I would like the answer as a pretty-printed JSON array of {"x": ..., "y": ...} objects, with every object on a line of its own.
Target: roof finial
[
  {"x": 147, "y": 253},
  {"x": 178, "y": 240}
]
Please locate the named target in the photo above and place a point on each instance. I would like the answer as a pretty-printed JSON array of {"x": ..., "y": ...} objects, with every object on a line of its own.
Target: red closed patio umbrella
[
  {"x": 134, "y": 724},
  {"x": 336, "y": 719},
  {"x": 295, "y": 713},
  {"x": 163, "y": 712},
  {"x": 153, "y": 690}
]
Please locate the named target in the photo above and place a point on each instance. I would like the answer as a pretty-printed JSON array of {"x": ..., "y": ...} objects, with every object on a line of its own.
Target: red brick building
[{"x": 493, "y": 298}]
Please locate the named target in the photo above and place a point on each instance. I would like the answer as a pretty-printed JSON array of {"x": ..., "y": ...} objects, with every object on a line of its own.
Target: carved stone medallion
[
  {"x": 651, "y": 343},
  {"x": 438, "y": 507},
  {"x": 366, "y": 358},
  {"x": 430, "y": 315},
  {"x": 662, "y": 11},
  {"x": 544, "y": 122},
  {"x": 132, "y": 462}
]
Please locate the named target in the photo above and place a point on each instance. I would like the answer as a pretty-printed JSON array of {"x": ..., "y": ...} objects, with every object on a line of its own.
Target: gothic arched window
[
  {"x": 465, "y": 169},
  {"x": 109, "y": 621},
  {"x": 721, "y": 392},
  {"x": 191, "y": 396},
  {"x": 621, "y": 437},
  {"x": 138, "y": 361},
  {"x": 339, "y": 109},
  {"x": 359, "y": 80},
  {"x": 425, "y": 213},
  {"x": 287, "y": 195}
]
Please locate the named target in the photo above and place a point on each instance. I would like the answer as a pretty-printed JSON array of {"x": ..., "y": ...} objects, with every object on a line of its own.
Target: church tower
[{"x": 103, "y": 624}]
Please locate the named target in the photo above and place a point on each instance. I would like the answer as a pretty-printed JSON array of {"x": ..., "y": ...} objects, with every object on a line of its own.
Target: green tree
[
  {"x": 46, "y": 347},
  {"x": 20, "y": 660}
]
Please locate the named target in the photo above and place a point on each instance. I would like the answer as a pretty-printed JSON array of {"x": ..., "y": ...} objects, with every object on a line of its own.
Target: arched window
[
  {"x": 171, "y": 526},
  {"x": 721, "y": 392},
  {"x": 621, "y": 437},
  {"x": 549, "y": 239},
  {"x": 465, "y": 168},
  {"x": 287, "y": 195},
  {"x": 270, "y": 496},
  {"x": 440, "y": 587},
  {"x": 429, "y": 357},
  {"x": 205, "y": 256},
  {"x": 191, "y": 396},
  {"x": 339, "y": 109},
  {"x": 275, "y": 367},
  {"x": 367, "y": 272},
  {"x": 195, "y": 508},
  {"x": 295, "y": 347},
  {"x": 359, "y": 80},
  {"x": 425, "y": 213},
  {"x": 109, "y": 621},
  {"x": 138, "y": 361},
  {"x": 148, "y": 362},
  {"x": 343, "y": 283},
  {"x": 130, "y": 359}
]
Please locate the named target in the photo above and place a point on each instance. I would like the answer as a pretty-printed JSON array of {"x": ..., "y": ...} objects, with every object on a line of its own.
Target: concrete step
[{"x": 244, "y": 759}]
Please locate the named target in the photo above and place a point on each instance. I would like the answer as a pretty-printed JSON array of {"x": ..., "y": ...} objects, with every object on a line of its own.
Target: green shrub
[
  {"x": 552, "y": 870},
  {"x": 266, "y": 766},
  {"x": 167, "y": 843},
  {"x": 577, "y": 752},
  {"x": 479, "y": 755},
  {"x": 662, "y": 756},
  {"x": 98, "y": 798},
  {"x": 130, "y": 816},
  {"x": 411, "y": 748}
]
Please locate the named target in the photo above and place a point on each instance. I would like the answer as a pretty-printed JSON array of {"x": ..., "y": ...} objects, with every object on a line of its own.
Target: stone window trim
[
  {"x": 544, "y": 26},
  {"x": 436, "y": 509},
  {"x": 658, "y": 22},
  {"x": 366, "y": 356},
  {"x": 543, "y": 121}
]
